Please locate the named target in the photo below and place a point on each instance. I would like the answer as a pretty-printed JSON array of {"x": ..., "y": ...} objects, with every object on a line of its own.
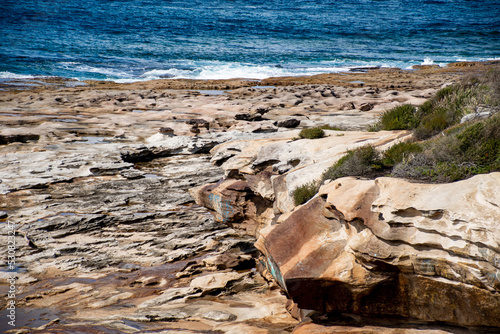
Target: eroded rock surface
[
  {"x": 389, "y": 247},
  {"x": 262, "y": 173},
  {"x": 96, "y": 178}
]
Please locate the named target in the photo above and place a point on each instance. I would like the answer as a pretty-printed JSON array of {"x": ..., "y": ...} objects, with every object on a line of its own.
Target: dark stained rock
[
  {"x": 198, "y": 123},
  {"x": 248, "y": 117},
  {"x": 288, "y": 123},
  {"x": 21, "y": 138},
  {"x": 366, "y": 107},
  {"x": 166, "y": 131}
]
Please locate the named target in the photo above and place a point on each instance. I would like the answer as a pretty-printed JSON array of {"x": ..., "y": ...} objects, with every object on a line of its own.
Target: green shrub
[
  {"x": 312, "y": 133},
  {"x": 305, "y": 192},
  {"x": 450, "y": 104},
  {"x": 334, "y": 127},
  {"x": 433, "y": 123},
  {"x": 463, "y": 151},
  {"x": 444, "y": 92},
  {"x": 397, "y": 153},
  {"x": 399, "y": 118},
  {"x": 459, "y": 152},
  {"x": 362, "y": 161}
]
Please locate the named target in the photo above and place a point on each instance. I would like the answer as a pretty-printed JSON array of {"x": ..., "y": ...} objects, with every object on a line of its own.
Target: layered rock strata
[
  {"x": 389, "y": 247},
  {"x": 108, "y": 240}
]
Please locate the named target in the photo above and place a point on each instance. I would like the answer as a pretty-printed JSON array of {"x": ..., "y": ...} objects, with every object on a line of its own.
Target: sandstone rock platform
[{"x": 101, "y": 181}]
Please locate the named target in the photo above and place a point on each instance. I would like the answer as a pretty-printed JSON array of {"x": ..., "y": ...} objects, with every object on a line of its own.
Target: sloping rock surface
[{"x": 389, "y": 247}]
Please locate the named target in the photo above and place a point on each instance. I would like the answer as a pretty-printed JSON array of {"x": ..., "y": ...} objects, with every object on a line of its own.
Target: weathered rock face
[
  {"x": 262, "y": 173},
  {"x": 387, "y": 247},
  {"x": 235, "y": 204}
]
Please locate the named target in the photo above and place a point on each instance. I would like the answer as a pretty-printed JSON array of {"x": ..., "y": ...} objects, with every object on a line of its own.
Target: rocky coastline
[{"x": 166, "y": 206}]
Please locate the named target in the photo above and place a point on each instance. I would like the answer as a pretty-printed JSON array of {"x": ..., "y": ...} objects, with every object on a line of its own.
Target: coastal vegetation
[
  {"x": 305, "y": 192},
  {"x": 446, "y": 108},
  {"x": 402, "y": 117},
  {"x": 364, "y": 160},
  {"x": 312, "y": 133},
  {"x": 442, "y": 149}
]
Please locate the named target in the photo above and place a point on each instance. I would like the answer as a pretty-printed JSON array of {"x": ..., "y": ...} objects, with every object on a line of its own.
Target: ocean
[{"x": 134, "y": 40}]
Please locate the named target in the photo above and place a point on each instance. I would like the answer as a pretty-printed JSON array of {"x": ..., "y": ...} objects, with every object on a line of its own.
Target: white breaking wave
[
  {"x": 10, "y": 75},
  {"x": 111, "y": 73},
  {"x": 427, "y": 61},
  {"x": 238, "y": 70},
  {"x": 189, "y": 69}
]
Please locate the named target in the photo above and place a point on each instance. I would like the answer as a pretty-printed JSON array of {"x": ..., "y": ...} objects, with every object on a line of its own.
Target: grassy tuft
[
  {"x": 312, "y": 133},
  {"x": 362, "y": 161},
  {"x": 399, "y": 152},
  {"x": 463, "y": 151},
  {"x": 399, "y": 118},
  {"x": 305, "y": 192},
  {"x": 334, "y": 127},
  {"x": 460, "y": 151},
  {"x": 446, "y": 108}
]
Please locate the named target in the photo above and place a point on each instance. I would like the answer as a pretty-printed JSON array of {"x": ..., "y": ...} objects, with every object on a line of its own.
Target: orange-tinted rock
[{"x": 388, "y": 247}]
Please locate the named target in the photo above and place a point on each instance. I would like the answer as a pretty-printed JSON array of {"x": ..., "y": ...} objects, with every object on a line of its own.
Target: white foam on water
[
  {"x": 427, "y": 61},
  {"x": 238, "y": 70},
  {"x": 10, "y": 75},
  {"x": 111, "y": 73},
  {"x": 206, "y": 70}
]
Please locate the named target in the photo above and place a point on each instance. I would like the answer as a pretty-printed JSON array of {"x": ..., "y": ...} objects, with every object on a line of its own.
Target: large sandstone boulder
[{"x": 388, "y": 247}]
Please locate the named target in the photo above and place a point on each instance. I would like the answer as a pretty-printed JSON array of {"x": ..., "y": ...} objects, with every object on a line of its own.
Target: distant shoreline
[{"x": 355, "y": 77}]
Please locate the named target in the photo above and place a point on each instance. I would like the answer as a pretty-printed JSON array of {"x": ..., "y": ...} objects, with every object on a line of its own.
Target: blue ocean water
[{"x": 130, "y": 40}]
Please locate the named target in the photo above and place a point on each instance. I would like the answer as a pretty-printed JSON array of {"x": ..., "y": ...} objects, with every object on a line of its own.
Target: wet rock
[{"x": 47, "y": 325}]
